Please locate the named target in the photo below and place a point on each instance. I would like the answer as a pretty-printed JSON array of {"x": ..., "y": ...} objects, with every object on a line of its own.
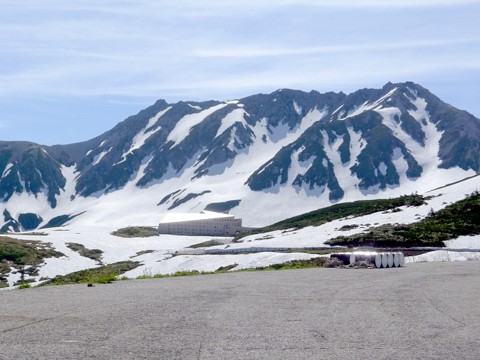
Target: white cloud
[
  {"x": 139, "y": 49},
  {"x": 265, "y": 50},
  {"x": 378, "y": 3}
]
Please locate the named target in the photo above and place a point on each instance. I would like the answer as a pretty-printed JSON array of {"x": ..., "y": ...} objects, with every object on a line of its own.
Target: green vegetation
[
  {"x": 226, "y": 268},
  {"x": 338, "y": 211},
  {"x": 220, "y": 270},
  {"x": 35, "y": 233},
  {"x": 23, "y": 254},
  {"x": 294, "y": 264},
  {"x": 320, "y": 251},
  {"x": 176, "y": 274},
  {"x": 94, "y": 254},
  {"x": 136, "y": 231},
  {"x": 142, "y": 253},
  {"x": 461, "y": 218},
  {"x": 298, "y": 264},
  {"x": 100, "y": 275},
  {"x": 206, "y": 244}
]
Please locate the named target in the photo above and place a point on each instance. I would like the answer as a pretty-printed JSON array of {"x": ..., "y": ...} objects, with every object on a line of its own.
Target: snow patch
[
  {"x": 100, "y": 156},
  {"x": 464, "y": 242},
  {"x": 382, "y": 168},
  {"x": 398, "y": 160},
  {"x": 421, "y": 114},
  {"x": 196, "y": 107},
  {"x": 213, "y": 262},
  {"x": 337, "y": 109},
  {"x": 184, "y": 125},
  {"x": 236, "y": 116},
  {"x": 143, "y": 135},
  {"x": 357, "y": 110},
  {"x": 7, "y": 169},
  {"x": 357, "y": 144},
  {"x": 298, "y": 108},
  {"x": 444, "y": 256}
]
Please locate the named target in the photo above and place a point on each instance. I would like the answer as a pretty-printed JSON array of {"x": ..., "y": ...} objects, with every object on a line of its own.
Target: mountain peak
[{"x": 281, "y": 153}]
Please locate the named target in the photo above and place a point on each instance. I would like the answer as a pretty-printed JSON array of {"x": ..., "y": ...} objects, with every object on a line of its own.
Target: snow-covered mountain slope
[
  {"x": 263, "y": 158},
  {"x": 156, "y": 253}
]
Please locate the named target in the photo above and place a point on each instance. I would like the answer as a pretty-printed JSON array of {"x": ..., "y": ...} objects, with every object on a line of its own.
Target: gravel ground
[{"x": 421, "y": 311}]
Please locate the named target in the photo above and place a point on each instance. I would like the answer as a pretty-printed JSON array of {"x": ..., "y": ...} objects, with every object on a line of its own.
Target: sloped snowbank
[
  {"x": 444, "y": 255},
  {"x": 213, "y": 262},
  {"x": 461, "y": 245}
]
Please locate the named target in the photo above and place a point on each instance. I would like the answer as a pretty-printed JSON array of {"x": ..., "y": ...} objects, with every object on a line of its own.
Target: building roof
[{"x": 183, "y": 217}]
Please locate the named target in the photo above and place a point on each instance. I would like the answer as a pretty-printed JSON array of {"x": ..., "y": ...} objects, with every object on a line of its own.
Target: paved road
[{"x": 422, "y": 311}]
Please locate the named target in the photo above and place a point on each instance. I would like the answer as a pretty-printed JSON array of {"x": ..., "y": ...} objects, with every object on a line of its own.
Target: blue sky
[{"x": 70, "y": 70}]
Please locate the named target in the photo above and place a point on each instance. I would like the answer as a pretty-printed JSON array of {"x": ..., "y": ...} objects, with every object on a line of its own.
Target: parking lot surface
[{"x": 421, "y": 311}]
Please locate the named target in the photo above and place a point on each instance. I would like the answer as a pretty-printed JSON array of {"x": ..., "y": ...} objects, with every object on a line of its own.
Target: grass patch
[
  {"x": 460, "y": 218},
  {"x": 143, "y": 252},
  {"x": 35, "y": 233},
  {"x": 226, "y": 268},
  {"x": 176, "y": 274},
  {"x": 321, "y": 251},
  {"x": 24, "y": 254},
  {"x": 206, "y": 244},
  {"x": 297, "y": 264},
  {"x": 100, "y": 275},
  {"x": 290, "y": 265},
  {"x": 136, "y": 231},
  {"x": 94, "y": 254},
  {"x": 339, "y": 211}
]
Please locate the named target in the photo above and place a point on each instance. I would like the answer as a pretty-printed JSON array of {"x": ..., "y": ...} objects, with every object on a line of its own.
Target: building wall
[{"x": 207, "y": 227}]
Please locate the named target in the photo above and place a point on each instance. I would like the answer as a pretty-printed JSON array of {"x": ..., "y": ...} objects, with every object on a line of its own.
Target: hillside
[
  {"x": 445, "y": 213},
  {"x": 339, "y": 211},
  {"x": 458, "y": 219}
]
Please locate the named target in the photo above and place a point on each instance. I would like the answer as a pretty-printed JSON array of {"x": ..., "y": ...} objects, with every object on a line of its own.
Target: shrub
[
  {"x": 338, "y": 211},
  {"x": 94, "y": 254},
  {"x": 136, "y": 231},
  {"x": 100, "y": 275},
  {"x": 460, "y": 218}
]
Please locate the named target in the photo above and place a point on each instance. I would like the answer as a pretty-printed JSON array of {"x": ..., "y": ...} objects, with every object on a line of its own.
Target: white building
[{"x": 206, "y": 223}]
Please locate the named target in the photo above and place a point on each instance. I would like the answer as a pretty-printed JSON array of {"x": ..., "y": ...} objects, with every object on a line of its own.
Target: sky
[{"x": 71, "y": 70}]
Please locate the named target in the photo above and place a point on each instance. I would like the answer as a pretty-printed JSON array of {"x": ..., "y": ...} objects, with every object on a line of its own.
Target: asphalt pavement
[{"x": 421, "y": 311}]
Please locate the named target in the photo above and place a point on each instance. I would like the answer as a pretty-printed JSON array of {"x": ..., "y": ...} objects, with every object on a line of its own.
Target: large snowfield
[{"x": 162, "y": 257}]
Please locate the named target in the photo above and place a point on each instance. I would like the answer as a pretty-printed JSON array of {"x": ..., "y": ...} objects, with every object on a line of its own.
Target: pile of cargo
[{"x": 379, "y": 260}]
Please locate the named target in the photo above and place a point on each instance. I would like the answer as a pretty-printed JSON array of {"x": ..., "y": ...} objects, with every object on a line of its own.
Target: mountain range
[{"x": 264, "y": 158}]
